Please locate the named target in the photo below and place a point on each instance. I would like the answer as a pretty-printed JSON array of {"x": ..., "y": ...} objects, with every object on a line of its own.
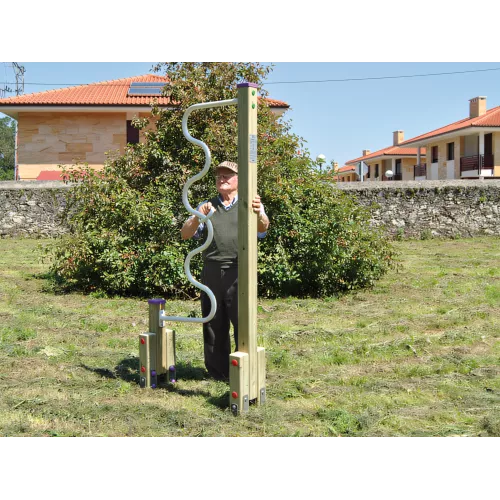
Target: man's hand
[
  {"x": 262, "y": 220},
  {"x": 256, "y": 204},
  {"x": 205, "y": 208},
  {"x": 191, "y": 225}
]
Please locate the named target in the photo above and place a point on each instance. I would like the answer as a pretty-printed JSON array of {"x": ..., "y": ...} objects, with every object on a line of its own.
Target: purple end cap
[
  {"x": 153, "y": 386},
  {"x": 172, "y": 368},
  {"x": 247, "y": 84},
  {"x": 156, "y": 301},
  {"x": 153, "y": 373}
]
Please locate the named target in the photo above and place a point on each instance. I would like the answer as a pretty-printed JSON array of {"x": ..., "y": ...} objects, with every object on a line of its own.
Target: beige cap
[{"x": 228, "y": 164}]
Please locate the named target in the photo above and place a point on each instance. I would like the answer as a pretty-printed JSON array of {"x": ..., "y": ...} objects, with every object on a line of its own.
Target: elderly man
[{"x": 220, "y": 265}]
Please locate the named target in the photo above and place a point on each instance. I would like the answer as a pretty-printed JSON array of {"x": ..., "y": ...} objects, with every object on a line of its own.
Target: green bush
[
  {"x": 320, "y": 242},
  {"x": 123, "y": 240},
  {"x": 125, "y": 221}
]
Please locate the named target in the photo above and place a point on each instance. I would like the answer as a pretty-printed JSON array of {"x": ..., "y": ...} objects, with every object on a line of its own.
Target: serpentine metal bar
[{"x": 201, "y": 217}]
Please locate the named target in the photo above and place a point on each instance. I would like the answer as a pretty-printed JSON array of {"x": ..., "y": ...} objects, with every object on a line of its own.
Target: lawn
[{"x": 417, "y": 355}]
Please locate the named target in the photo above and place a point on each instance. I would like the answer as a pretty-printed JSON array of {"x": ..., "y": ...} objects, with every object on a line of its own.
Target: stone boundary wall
[
  {"x": 416, "y": 209},
  {"x": 407, "y": 208},
  {"x": 32, "y": 209}
]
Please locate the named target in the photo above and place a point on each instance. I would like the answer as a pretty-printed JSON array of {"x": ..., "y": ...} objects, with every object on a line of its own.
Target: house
[
  {"x": 82, "y": 123},
  {"x": 397, "y": 159},
  {"x": 466, "y": 149},
  {"x": 347, "y": 173}
]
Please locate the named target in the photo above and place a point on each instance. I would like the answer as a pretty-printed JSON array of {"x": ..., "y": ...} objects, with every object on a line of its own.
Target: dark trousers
[{"x": 217, "y": 342}]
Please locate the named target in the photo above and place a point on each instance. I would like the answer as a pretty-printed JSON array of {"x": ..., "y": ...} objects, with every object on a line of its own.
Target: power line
[
  {"x": 297, "y": 81},
  {"x": 386, "y": 77}
]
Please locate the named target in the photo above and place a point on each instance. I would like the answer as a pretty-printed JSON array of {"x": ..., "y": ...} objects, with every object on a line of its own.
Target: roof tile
[
  {"x": 489, "y": 119},
  {"x": 111, "y": 93},
  {"x": 389, "y": 151}
]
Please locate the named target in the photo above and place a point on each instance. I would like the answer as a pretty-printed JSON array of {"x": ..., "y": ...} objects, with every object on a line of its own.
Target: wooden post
[
  {"x": 169, "y": 342},
  {"x": 247, "y": 229},
  {"x": 157, "y": 348},
  {"x": 148, "y": 376},
  {"x": 155, "y": 306},
  {"x": 238, "y": 382}
]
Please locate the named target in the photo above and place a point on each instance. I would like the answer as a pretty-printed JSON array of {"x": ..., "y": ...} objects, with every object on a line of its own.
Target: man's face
[{"x": 226, "y": 180}]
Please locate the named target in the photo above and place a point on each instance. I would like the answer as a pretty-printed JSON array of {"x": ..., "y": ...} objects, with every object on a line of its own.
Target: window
[
  {"x": 132, "y": 133},
  {"x": 398, "y": 166},
  {"x": 434, "y": 154},
  {"x": 451, "y": 150},
  {"x": 488, "y": 144},
  {"x": 376, "y": 170}
]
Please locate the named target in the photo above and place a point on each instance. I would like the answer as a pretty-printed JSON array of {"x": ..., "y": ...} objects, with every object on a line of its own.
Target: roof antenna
[{"x": 19, "y": 72}]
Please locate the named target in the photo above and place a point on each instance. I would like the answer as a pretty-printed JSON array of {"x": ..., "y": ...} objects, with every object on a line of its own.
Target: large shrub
[
  {"x": 320, "y": 243},
  {"x": 125, "y": 221}
]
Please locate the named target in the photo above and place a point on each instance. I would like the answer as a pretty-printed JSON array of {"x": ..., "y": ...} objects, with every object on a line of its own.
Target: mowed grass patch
[{"x": 417, "y": 355}]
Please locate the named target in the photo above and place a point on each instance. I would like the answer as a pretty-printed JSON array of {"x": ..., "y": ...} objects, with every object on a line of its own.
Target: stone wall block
[{"x": 445, "y": 208}]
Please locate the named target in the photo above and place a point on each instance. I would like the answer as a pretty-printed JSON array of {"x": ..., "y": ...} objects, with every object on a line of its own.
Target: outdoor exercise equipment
[{"x": 247, "y": 370}]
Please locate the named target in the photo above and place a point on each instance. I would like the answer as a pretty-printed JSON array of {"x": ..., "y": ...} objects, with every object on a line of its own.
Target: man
[{"x": 220, "y": 265}]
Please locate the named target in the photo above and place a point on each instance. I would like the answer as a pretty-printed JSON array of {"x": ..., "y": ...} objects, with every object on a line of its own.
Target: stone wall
[
  {"x": 406, "y": 208},
  {"x": 31, "y": 209},
  {"x": 47, "y": 140},
  {"x": 432, "y": 208}
]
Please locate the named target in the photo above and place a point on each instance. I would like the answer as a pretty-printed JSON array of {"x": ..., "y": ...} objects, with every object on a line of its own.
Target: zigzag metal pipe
[{"x": 202, "y": 217}]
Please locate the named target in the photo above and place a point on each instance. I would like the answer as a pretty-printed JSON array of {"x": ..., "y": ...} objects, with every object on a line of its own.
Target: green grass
[{"x": 417, "y": 355}]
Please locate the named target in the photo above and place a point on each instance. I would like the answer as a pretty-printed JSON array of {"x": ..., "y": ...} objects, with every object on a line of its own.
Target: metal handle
[{"x": 202, "y": 217}]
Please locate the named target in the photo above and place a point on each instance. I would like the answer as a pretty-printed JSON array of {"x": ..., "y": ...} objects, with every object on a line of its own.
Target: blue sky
[{"x": 337, "y": 119}]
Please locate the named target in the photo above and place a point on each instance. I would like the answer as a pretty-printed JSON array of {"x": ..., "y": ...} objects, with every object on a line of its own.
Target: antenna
[
  {"x": 5, "y": 90},
  {"x": 19, "y": 72}
]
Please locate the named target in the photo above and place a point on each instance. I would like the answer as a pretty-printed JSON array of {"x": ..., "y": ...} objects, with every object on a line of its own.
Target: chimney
[
  {"x": 477, "y": 106},
  {"x": 366, "y": 152},
  {"x": 397, "y": 137}
]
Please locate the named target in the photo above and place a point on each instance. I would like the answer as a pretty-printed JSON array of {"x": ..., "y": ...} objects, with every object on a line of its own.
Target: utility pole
[{"x": 19, "y": 74}]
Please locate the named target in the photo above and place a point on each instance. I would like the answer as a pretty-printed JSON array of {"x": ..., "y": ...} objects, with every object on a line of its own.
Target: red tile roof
[
  {"x": 489, "y": 119},
  {"x": 347, "y": 168},
  {"x": 110, "y": 93},
  {"x": 389, "y": 151}
]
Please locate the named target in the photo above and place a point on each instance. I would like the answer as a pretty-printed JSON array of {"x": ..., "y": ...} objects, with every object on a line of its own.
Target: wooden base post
[
  {"x": 169, "y": 342},
  {"x": 239, "y": 382},
  {"x": 156, "y": 348},
  {"x": 148, "y": 376}
]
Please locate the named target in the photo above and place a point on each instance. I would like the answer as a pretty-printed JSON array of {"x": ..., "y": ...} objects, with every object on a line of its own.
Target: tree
[
  {"x": 125, "y": 221},
  {"x": 7, "y": 148}
]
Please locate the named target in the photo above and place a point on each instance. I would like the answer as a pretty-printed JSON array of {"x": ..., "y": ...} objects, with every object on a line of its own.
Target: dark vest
[{"x": 224, "y": 247}]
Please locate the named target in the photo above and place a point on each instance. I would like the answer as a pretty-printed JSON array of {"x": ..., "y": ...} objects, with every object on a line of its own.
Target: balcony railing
[
  {"x": 420, "y": 170},
  {"x": 476, "y": 162}
]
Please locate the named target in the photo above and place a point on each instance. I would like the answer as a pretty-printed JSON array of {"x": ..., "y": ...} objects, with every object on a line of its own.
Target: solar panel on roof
[
  {"x": 145, "y": 88},
  {"x": 148, "y": 84},
  {"x": 144, "y": 91}
]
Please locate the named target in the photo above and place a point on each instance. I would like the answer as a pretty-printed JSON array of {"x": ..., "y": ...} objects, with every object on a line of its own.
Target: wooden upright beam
[
  {"x": 155, "y": 306},
  {"x": 247, "y": 229}
]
